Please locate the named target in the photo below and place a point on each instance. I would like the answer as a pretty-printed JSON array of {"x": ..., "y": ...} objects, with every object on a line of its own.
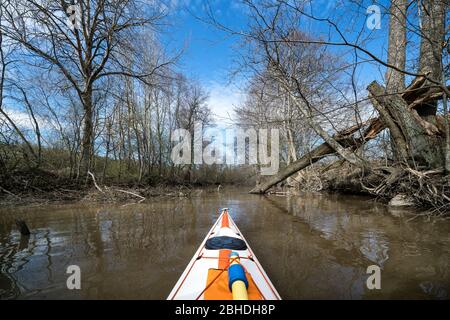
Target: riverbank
[
  {"x": 396, "y": 188},
  {"x": 111, "y": 194},
  {"x": 42, "y": 187}
]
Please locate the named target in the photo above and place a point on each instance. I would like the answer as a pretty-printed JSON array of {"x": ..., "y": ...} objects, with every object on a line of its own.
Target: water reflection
[{"x": 312, "y": 246}]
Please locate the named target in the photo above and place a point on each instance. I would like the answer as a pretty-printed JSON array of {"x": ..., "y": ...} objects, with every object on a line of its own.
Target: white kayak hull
[{"x": 194, "y": 280}]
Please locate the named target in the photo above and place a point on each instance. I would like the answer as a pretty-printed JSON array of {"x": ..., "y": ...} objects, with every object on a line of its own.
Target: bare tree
[
  {"x": 6, "y": 52},
  {"x": 87, "y": 52}
]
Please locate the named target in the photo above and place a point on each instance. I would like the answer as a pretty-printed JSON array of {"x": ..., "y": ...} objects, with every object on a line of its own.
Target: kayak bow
[{"x": 224, "y": 268}]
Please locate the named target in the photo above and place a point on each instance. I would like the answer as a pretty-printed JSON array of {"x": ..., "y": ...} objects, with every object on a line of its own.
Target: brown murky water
[{"x": 312, "y": 247}]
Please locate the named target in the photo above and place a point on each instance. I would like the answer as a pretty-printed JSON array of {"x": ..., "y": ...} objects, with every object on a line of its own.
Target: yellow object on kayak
[{"x": 237, "y": 279}]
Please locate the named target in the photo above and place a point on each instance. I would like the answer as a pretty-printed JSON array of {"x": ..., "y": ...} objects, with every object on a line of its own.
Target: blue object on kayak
[{"x": 236, "y": 272}]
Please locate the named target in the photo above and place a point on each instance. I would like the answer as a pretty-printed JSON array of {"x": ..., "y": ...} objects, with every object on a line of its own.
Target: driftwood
[
  {"x": 132, "y": 193},
  {"x": 10, "y": 193},
  {"x": 415, "y": 95},
  {"x": 95, "y": 182}
]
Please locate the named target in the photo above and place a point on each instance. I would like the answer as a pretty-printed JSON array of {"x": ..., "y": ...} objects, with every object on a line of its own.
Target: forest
[{"x": 90, "y": 97}]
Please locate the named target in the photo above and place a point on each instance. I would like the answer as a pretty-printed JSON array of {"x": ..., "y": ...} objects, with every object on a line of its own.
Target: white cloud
[
  {"x": 223, "y": 99},
  {"x": 23, "y": 119}
]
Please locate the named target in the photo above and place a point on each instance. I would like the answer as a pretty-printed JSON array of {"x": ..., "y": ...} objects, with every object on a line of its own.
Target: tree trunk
[
  {"x": 431, "y": 48},
  {"x": 432, "y": 40},
  {"x": 87, "y": 147},
  {"x": 422, "y": 146},
  {"x": 395, "y": 80},
  {"x": 315, "y": 155}
]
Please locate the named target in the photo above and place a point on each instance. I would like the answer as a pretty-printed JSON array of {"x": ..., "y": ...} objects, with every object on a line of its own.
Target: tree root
[{"x": 426, "y": 188}]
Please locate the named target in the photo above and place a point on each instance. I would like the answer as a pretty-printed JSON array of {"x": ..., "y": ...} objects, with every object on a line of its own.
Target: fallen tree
[
  {"x": 345, "y": 138},
  {"x": 409, "y": 100}
]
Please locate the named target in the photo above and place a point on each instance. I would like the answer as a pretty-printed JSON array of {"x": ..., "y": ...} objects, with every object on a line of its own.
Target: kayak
[{"x": 224, "y": 268}]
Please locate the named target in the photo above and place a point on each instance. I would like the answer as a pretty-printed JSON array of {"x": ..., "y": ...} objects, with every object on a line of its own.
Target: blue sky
[{"x": 208, "y": 52}]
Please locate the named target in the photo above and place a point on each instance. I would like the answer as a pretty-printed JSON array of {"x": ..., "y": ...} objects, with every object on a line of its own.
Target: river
[{"x": 314, "y": 246}]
